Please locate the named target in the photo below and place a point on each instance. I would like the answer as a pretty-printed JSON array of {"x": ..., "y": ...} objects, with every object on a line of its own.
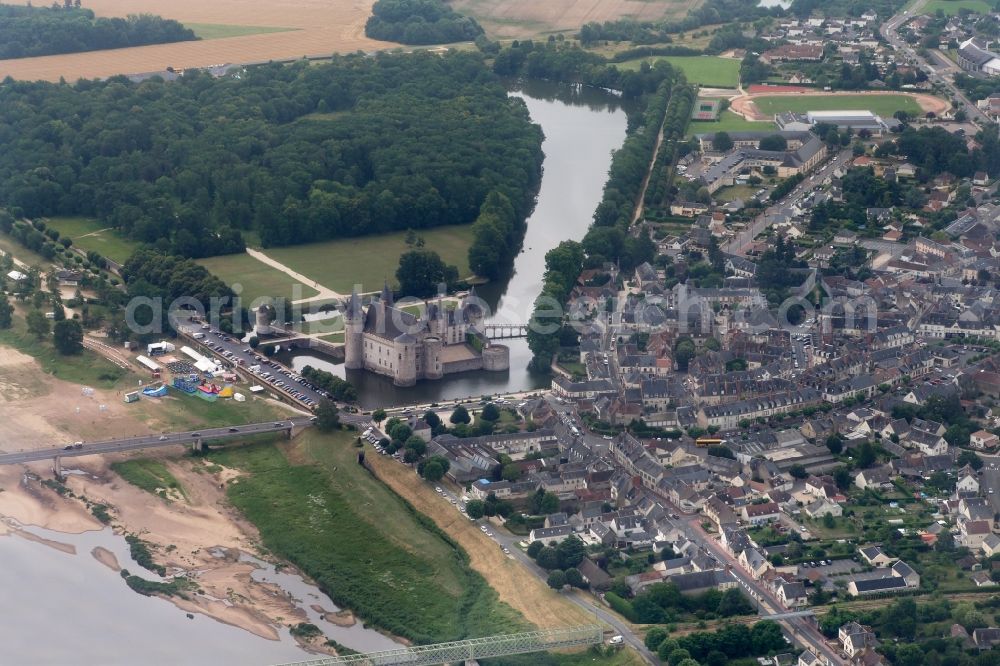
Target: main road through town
[{"x": 943, "y": 78}]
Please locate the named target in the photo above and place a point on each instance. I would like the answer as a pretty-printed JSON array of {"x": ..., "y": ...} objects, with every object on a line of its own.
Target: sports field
[
  {"x": 883, "y": 105},
  {"x": 257, "y": 279},
  {"x": 305, "y": 27},
  {"x": 728, "y": 122},
  {"x": 709, "y": 71},
  {"x": 371, "y": 260},
  {"x": 89, "y": 234},
  {"x": 512, "y": 19},
  {"x": 222, "y": 31},
  {"x": 952, "y": 7}
]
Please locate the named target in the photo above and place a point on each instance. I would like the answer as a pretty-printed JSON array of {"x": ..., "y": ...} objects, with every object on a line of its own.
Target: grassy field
[
  {"x": 222, "y": 31},
  {"x": 180, "y": 411},
  {"x": 11, "y": 246},
  {"x": 371, "y": 260},
  {"x": 90, "y": 234},
  {"x": 150, "y": 475},
  {"x": 364, "y": 546},
  {"x": 735, "y": 192},
  {"x": 87, "y": 367},
  {"x": 952, "y": 7},
  {"x": 596, "y": 656},
  {"x": 257, "y": 279},
  {"x": 708, "y": 71},
  {"x": 883, "y": 105},
  {"x": 727, "y": 122}
]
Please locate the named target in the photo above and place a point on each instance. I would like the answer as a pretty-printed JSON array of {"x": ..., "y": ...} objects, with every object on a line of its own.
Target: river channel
[{"x": 582, "y": 127}]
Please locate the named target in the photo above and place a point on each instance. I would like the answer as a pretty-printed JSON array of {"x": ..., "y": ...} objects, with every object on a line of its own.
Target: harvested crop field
[
  {"x": 310, "y": 27},
  {"x": 515, "y": 19}
]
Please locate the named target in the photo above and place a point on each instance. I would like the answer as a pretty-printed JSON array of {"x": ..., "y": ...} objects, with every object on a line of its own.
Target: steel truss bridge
[{"x": 457, "y": 652}]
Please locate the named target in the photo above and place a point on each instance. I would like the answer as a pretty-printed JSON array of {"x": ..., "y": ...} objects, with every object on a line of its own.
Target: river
[
  {"x": 89, "y": 616},
  {"x": 582, "y": 127}
]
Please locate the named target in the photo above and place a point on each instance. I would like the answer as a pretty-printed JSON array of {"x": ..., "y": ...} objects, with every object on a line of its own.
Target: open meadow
[
  {"x": 257, "y": 279},
  {"x": 366, "y": 547},
  {"x": 233, "y": 31},
  {"x": 517, "y": 19},
  {"x": 369, "y": 260},
  {"x": 709, "y": 71},
  {"x": 90, "y": 234}
]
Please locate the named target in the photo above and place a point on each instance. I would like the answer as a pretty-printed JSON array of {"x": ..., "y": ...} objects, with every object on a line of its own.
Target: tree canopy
[
  {"x": 26, "y": 32},
  {"x": 420, "y": 22},
  {"x": 295, "y": 153}
]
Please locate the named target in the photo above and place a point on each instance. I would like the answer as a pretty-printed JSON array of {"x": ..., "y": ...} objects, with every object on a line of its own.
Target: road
[
  {"x": 741, "y": 243},
  {"x": 800, "y": 628},
  {"x": 152, "y": 441},
  {"x": 989, "y": 482},
  {"x": 890, "y": 32}
]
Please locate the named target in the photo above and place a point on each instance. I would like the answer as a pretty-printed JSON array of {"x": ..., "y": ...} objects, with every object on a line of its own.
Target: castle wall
[
  {"x": 464, "y": 365},
  {"x": 496, "y": 358}
]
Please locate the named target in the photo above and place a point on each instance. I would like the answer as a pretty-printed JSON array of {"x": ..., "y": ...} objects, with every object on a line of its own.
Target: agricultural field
[
  {"x": 708, "y": 71},
  {"x": 370, "y": 260},
  {"x": 221, "y": 31},
  {"x": 278, "y": 30},
  {"x": 883, "y": 105},
  {"x": 90, "y": 234},
  {"x": 728, "y": 122},
  {"x": 257, "y": 279},
  {"x": 517, "y": 19},
  {"x": 366, "y": 547},
  {"x": 952, "y": 7}
]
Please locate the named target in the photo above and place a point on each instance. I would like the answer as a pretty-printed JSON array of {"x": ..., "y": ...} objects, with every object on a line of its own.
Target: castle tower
[
  {"x": 405, "y": 346},
  {"x": 384, "y": 303},
  {"x": 471, "y": 310},
  {"x": 354, "y": 324},
  {"x": 432, "y": 358},
  {"x": 262, "y": 324}
]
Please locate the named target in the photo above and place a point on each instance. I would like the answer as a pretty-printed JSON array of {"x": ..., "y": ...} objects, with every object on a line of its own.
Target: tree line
[
  {"x": 296, "y": 153},
  {"x": 27, "y": 32},
  {"x": 420, "y": 22},
  {"x": 608, "y": 238}
]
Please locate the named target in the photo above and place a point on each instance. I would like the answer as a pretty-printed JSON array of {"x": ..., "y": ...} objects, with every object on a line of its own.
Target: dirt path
[
  {"x": 516, "y": 586},
  {"x": 744, "y": 105},
  {"x": 325, "y": 293}
]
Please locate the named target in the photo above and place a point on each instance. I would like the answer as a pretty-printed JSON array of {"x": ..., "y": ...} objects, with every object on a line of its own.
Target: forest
[
  {"x": 27, "y": 31},
  {"x": 420, "y": 22},
  {"x": 292, "y": 153}
]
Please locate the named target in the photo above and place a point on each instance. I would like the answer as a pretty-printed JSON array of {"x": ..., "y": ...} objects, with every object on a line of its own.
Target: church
[{"x": 390, "y": 341}]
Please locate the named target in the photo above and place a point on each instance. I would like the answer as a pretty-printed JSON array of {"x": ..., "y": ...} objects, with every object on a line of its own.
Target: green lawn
[
  {"x": 710, "y": 71},
  {"x": 364, "y": 546},
  {"x": 257, "y": 279},
  {"x": 370, "y": 260},
  {"x": 221, "y": 31},
  {"x": 87, "y": 367},
  {"x": 151, "y": 476},
  {"x": 883, "y": 105},
  {"x": 952, "y": 7},
  {"x": 728, "y": 122},
  {"x": 90, "y": 234},
  {"x": 736, "y": 192}
]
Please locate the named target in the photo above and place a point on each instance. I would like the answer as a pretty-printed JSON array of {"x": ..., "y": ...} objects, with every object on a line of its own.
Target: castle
[{"x": 390, "y": 341}]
